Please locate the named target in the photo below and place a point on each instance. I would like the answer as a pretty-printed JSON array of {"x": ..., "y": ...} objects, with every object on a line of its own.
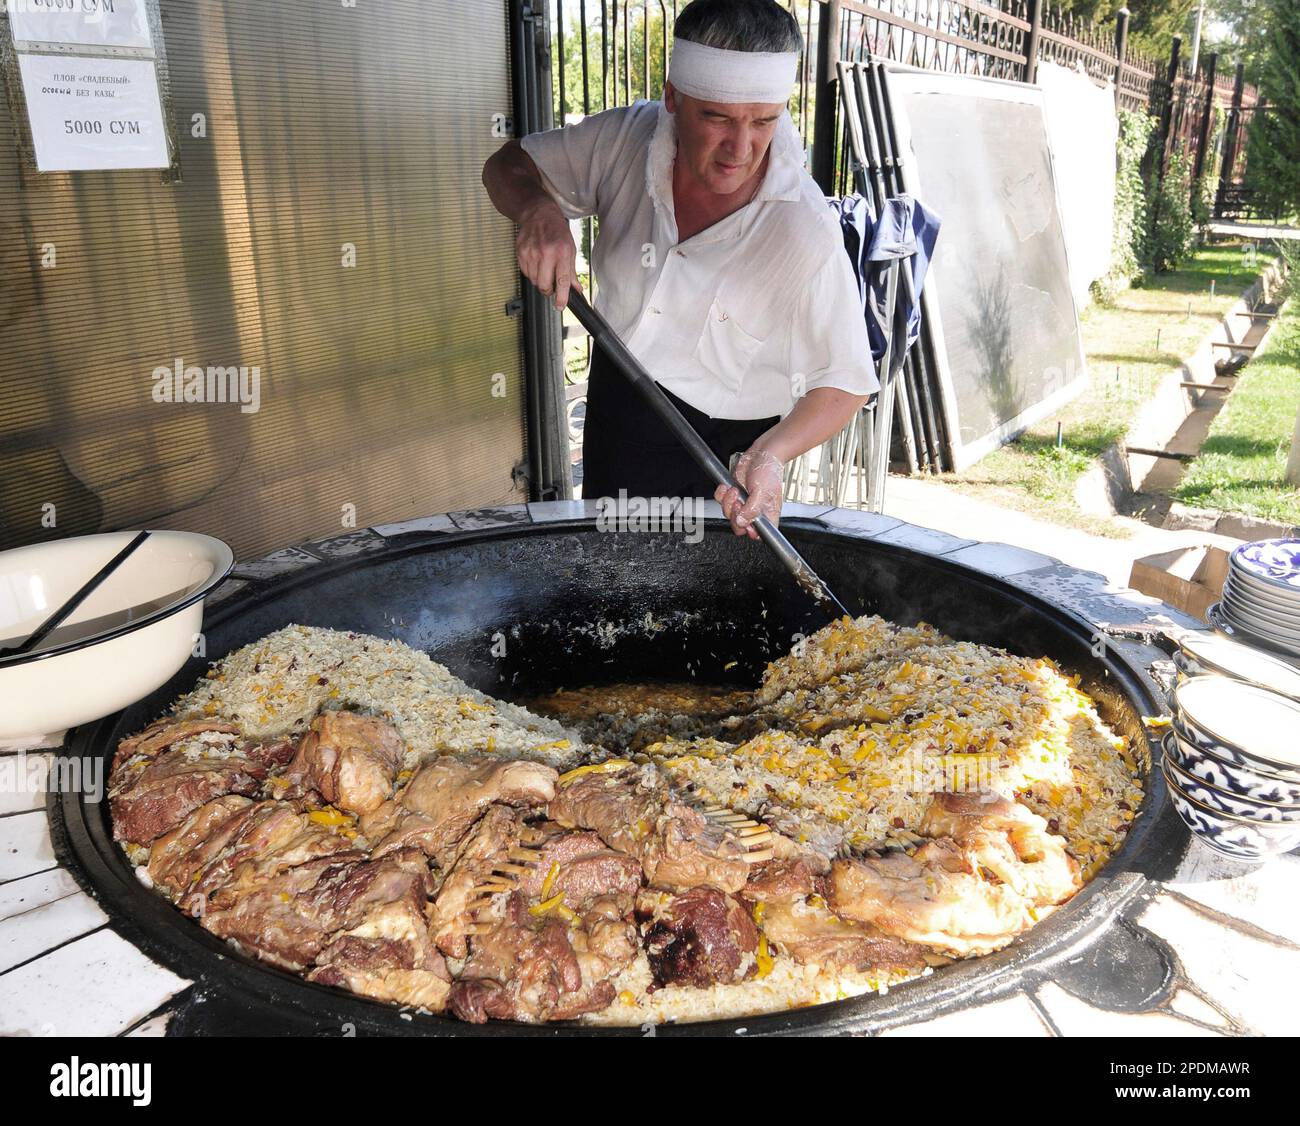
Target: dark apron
[{"x": 626, "y": 446}]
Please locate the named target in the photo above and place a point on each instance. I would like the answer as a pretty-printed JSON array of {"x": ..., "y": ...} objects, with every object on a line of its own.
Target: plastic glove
[{"x": 762, "y": 475}]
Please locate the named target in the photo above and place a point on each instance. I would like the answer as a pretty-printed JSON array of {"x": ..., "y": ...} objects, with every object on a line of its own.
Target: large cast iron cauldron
[{"x": 575, "y": 605}]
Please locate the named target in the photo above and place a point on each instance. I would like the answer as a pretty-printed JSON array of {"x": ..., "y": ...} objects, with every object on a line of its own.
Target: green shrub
[{"x": 1171, "y": 232}]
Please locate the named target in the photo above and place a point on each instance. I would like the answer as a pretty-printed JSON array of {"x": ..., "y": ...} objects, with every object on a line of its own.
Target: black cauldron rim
[{"x": 261, "y": 999}]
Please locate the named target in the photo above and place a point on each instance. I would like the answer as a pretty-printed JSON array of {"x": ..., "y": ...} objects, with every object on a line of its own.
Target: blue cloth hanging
[{"x": 907, "y": 230}]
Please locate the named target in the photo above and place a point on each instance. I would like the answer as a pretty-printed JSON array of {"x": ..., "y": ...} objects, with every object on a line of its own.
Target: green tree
[
  {"x": 621, "y": 69},
  {"x": 1273, "y": 148},
  {"x": 1236, "y": 29}
]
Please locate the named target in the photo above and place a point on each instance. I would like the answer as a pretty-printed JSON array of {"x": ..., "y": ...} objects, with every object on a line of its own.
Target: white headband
[{"x": 714, "y": 74}]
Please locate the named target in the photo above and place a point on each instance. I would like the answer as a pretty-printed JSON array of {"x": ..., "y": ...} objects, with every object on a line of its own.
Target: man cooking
[{"x": 717, "y": 262}]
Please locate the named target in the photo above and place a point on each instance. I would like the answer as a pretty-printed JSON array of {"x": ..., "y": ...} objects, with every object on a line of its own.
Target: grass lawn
[
  {"x": 1130, "y": 347},
  {"x": 1241, "y": 467}
]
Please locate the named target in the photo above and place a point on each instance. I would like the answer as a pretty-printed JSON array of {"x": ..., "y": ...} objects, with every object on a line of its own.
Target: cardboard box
[{"x": 1189, "y": 578}]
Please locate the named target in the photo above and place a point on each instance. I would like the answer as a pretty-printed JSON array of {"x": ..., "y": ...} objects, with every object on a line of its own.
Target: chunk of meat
[
  {"x": 606, "y": 938},
  {"x": 389, "y": 957},
  {"x": 700, "y": 937},
  {"x": 932, "y": 898},
  {"x": 349, "y": 759},
  {"x": 270, "y": 754},
  {"x": 485, "y": 848},
  {"x": 969, "y": 892},
  {"x": 178, "y": 857},
  {"x": 288, "y": 917},
  {"x": 164, "y": 733},
  {"x": 267, "y": 838},
  {"x": 148, "y": 803},
  {"x": 811, "y": 934},
  {"x": 579, "y": 866},
  {"x": 273, "y": 919},
  {"x": 633, "y": 811},
  {"x": 447, "y": 795},
  {"x": 525, "y": 968},
  {"x": 1007, "y": 840},
  {"x": 780, "y": 881}
]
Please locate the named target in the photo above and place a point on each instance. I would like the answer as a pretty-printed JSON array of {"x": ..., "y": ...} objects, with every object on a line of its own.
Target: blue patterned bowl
[
  {"x": 1238, "y": 837},
  {"x": 1241, "y": 725},
  {"x": 1224, "y": 800},
  {"x": 1225, "y": 776}
]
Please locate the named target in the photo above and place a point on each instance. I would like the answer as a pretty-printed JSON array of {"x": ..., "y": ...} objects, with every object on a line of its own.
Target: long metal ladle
[{"x": 604, "y": 336}]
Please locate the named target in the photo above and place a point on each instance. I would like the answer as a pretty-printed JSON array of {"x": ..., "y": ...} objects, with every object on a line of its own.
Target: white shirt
[{"x": 737, "y": 319}]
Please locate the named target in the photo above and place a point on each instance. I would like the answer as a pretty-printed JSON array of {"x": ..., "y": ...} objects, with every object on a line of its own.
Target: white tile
[
  {"x": 1073, "y": 1017},
  {"x": 805, "y": 511},
  {"x": 549, "y": 511},
  {"x": 1000, "y": 559},
  {"x": 858, "y": 523},
  {"x": 22, "y": 782},
  {"x": 278, "y": 563},
  {"x": 95, "y": 986},
  {"x": 227, "y": 589},
  {"x": 1257, "y": 982},
  {"x": 491, "y": 516},
  {"x": 23, "y": 937},
  {"x": 20, "y": 896},
  {"x": 927, "y": 540},
  {"x": 424, "y": 524},
  {"x": 24, "y": 845},
  {"x": 1015, "y": 1016},
  {"x": 1265, "y": 895}
]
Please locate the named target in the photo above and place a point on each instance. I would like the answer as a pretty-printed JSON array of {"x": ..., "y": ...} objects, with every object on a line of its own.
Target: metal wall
[{"x": 394, "y": 386}]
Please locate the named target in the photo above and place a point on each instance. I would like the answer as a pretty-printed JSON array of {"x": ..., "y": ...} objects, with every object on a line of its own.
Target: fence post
[
  {"x": 1167, "y": 110},
  {"x": 1121, "y": 49},
  {"x": 1203, "y": 140},
  {"x": 828, "y": 49},
  {"x": 1031, "y": 44},
  {"x": 1230, "y": 140}
]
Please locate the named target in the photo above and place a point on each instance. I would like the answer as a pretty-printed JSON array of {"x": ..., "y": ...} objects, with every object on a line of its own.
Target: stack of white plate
[{"x": 1261, "y": 597}]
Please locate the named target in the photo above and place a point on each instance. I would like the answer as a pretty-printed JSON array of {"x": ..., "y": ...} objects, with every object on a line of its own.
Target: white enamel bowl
[
  {"x": 1205, "y": 653},
  {"x": 125, "y": 640}
]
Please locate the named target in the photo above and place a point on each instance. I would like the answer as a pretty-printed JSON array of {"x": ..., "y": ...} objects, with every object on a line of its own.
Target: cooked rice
[
  {"x": 276, "y": 686},
  {"x": 905, "y": 713}
]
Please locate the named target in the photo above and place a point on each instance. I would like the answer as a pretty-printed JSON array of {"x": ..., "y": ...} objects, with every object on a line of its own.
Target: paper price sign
[
  {"x": 84, "y": 23},
  {"x": 89, "y": 114}
]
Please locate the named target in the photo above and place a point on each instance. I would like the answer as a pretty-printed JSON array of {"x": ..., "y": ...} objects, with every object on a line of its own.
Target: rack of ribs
[{"x": 634, "y": 812}]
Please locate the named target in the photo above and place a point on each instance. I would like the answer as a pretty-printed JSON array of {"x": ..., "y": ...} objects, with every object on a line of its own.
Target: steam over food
[{"x": 343, "y": 807}]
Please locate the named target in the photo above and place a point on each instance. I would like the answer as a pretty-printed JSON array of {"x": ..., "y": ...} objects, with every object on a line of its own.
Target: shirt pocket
[{"x": 725, "y": 349}]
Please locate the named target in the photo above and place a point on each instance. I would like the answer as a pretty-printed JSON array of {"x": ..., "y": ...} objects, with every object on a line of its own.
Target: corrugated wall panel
[{"x": 326, "y": 125}]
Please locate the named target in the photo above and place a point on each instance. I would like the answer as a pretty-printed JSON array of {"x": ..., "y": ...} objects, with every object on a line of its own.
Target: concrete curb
[{"x": 1183, "y": 517}]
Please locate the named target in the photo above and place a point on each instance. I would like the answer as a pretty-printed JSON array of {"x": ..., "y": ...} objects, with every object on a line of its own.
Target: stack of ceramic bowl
[
  {"x": 1232, "y": 758},
  {"x": 1261, "y": 596}
]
